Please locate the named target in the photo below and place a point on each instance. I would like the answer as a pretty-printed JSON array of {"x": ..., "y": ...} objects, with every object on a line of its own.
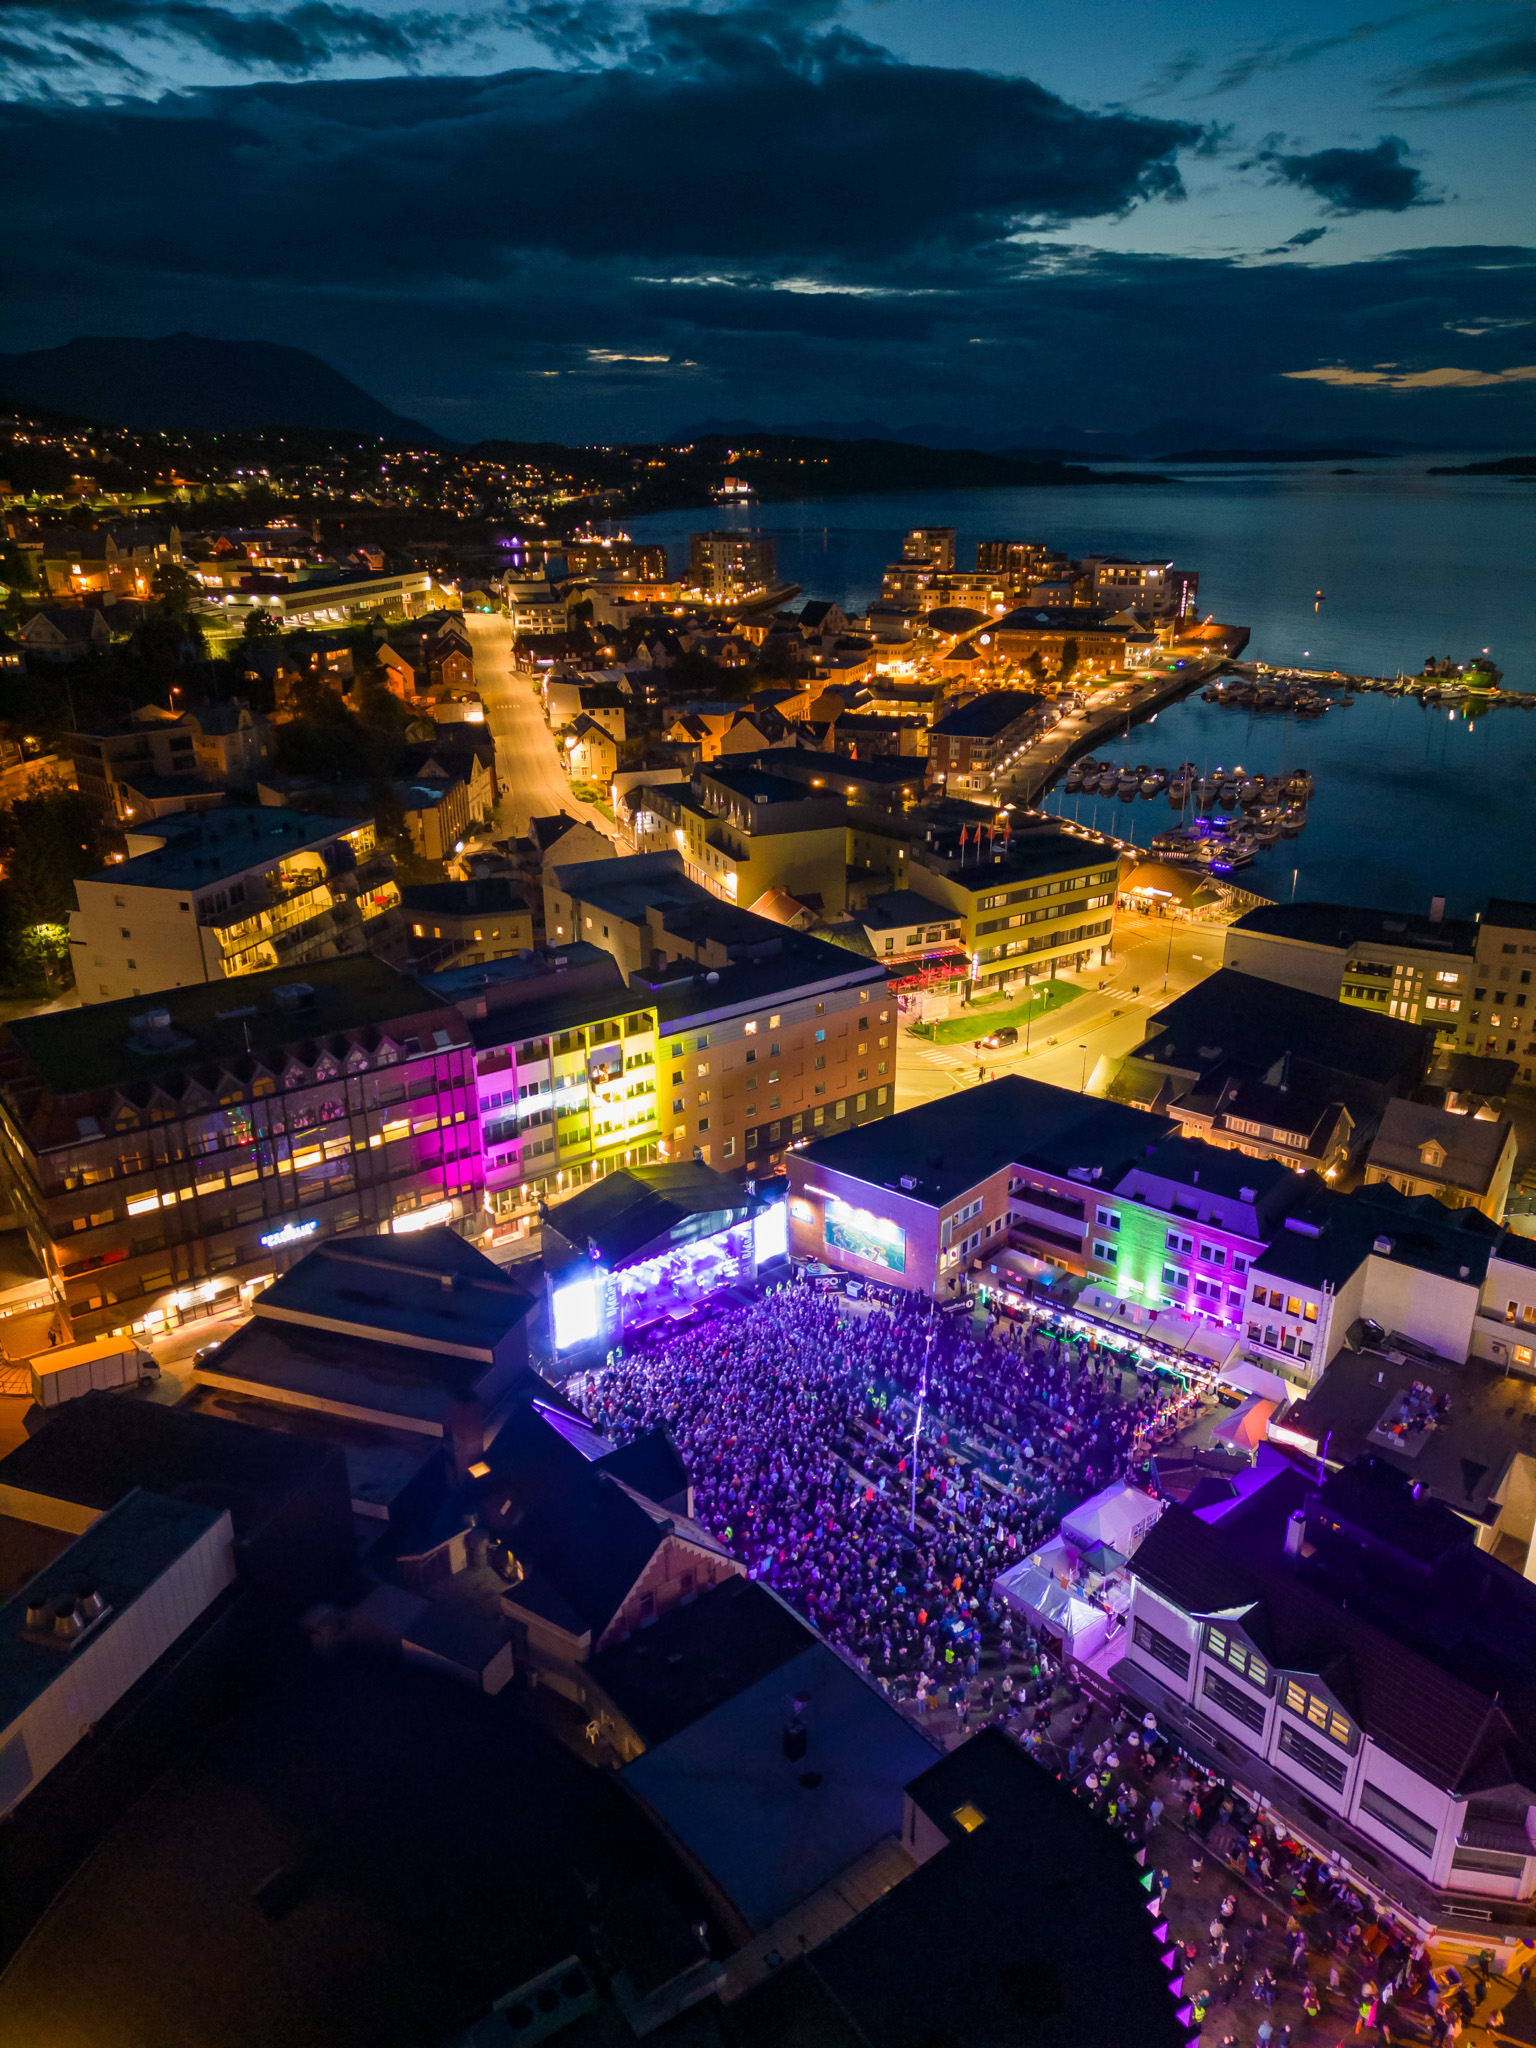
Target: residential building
[
  {"x": 66, "y": 632},
  {"x": 327, "y": 598},
  {"x": 731, "y": 565},
  {"x": 1013, "y": 563},
  {"x": 164, "y": 1161},
  {"x": 616, "y": 559},
  {"x": 1276, "y": 1071},
  {"x": 1071, "y": 638},
  {"x": 459, "y": 753},
  {"x": 1155, "y": 588},
  {"x": 932, "y": 544},
  {"x": 213, "y": 748},
  {"x": 1418, "y": 969},
  {"x": 970, "y": 749},
  {"x": 1404, "y": 1262},
  {"x": 590, "y": 753},
  {"x": 1498, "y": 1019},
  {"x": 731, "y": 1049},
  {"x": 1036, "y": 901},
  {"x": 229, "y": 893},
  {"x": 1504, "y": 1330},
  {"x": 876, "y": 735},
  {"x": 463, "y": 924},
  {"x": 1347, "y": 1650},
  {"x": 116, "y": 561},
  {"x": 908, "y": 930},
  {"x": 1460, "y": 1160}
]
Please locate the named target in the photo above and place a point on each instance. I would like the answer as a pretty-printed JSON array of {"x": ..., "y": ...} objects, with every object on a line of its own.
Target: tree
[
  {"x": 1069, "y": 654},
  {"x": 48, "y": 842},
  {"x": 262, "y": 626},
  {"x": 175, "y": 587}
]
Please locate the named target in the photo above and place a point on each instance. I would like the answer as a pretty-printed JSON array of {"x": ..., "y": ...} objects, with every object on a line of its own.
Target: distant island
[{"x": 1507, "y": 465}]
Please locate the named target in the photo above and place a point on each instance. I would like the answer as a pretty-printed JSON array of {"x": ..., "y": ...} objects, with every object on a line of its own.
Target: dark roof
[
  {"x": 949, "y": 1145},
  {"x": 1029, "y": 855},
  {"x": 97, "y": 1449},
  {"x": 1518, "y": 1249},
  {"x": 74, "y": 1051},
  {"x": 1338, "y": 1232},
  {"x": 1217, "y": 1170},
  {"x": 628, "y": 1213},
  {"x": 986, "y": 716},
  {"x": 1030, "y": 1931},
  {"x": 1047, "y": 618},
  {"x": 1510, "y": 913},
  {"x": 651, "y": 1465},
  {"x": 902, "y": 908},
  {"x": 1429, "y": 1642},
  {"x": 425, "y": 1287},
  {"x": 493, "y": 898},
  {"x": 1242, "y": 1017},
  {"x": 698, "y": 1656},
  {"x": 1342, "y": 925}
]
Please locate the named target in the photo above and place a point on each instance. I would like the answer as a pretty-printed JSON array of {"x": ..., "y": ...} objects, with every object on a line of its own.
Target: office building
[
  {"x": 970, "y": 750},
  {"x": 1416, "y": 969},
  {"x": 728, "y": 566},
  {"x": 221, "y": 895},
  {"x": 1365, "y": 1670},
  {"x": 166, "y": 1161}
]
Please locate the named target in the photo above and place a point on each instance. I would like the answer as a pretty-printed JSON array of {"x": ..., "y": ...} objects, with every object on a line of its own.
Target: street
[
  {"x": 527, "y": 767},
  {"x": 1101, "y": 1023}
]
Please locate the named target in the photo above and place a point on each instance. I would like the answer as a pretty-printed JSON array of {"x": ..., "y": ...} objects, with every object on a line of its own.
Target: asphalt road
[
  {"x": 532, "y": 782},
  {"x": 1101, "y": 1023}
]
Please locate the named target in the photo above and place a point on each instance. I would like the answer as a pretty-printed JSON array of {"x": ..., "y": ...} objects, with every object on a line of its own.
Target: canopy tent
[
  {"x": 1034, "y": 1590},
  {"x": 1117, "y": 1518},
  {"x": 1249, "y": 1377},
  {"x": 1191, "y": 1339},
  {"x": 1246, "y": 1427}
]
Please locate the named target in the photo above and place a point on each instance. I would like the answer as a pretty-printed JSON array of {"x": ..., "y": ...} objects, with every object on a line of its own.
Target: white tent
[
  {"x": 1249, "y": 1377},
  {"x": 1118, "y": 1518},
  {"x": 1034, "y": 1590}
]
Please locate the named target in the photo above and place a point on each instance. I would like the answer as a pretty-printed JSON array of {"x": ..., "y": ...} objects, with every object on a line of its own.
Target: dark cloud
[
  {"x": 1502, "y": 67},
  {"x": 1302, "y": 241},
  {"x": 1280, "y": 53},
  {"x": 1354, "y": 180}
]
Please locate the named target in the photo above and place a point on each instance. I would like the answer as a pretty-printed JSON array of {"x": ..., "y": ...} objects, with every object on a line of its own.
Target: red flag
[{"x": 963, "y": 835}]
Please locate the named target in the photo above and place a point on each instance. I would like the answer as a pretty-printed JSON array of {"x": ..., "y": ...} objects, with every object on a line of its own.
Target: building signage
[
  {"x": 423, "y": 1219},
  {"x": 291, "y": 1233}
]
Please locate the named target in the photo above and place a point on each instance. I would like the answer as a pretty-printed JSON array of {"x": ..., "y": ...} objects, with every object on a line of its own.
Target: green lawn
[{"x": 991, "y": 1011}]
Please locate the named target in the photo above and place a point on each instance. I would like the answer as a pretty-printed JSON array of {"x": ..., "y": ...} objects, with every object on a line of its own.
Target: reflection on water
[{"x": 1411, "y": 801}]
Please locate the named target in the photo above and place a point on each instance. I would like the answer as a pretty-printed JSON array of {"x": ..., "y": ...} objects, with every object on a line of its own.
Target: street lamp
[{"x": 1082, "y": 1086}]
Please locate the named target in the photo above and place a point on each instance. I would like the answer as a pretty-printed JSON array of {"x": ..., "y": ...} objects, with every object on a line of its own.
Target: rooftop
[
  {"x": 74, "y": 1051},
  {"x": 902, "y": 910},
  {"x": 1332, "y": 1235},
  {"x": 628, "y": 1212},
  {"x": 1341, "y": 926},
  {"x": 208, "y": 847},
  {"x": 120, "y": 1556},
  {"x": 1469, "y": 1147},
  {"x": 949, "y": 1145},
  {"x": 1026, "y": 856},
  {"x": 492, "y": 898},
  {"x": 770, "y": 1831},
  {"x": 428, "y": 1288},
  {"x": 1067, "y": 618},
  {"x": 1511, "y": 915},
  {"x": 698, "y": 1656},
  {"x": 988, "y": 715},
  {"x": 1258, "y": 1022}
]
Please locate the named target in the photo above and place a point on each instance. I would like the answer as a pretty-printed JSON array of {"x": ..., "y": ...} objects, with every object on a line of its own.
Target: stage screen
[
  {"x": 770, "y": 1234},
  {"x": 575, "y": 1307},
  {"x": 866, "y": 1236}
]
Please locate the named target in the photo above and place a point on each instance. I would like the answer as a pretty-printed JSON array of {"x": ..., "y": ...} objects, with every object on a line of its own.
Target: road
[
  {"x": 1099, "y": 1024},
  {"x": 527, "y": 765}
]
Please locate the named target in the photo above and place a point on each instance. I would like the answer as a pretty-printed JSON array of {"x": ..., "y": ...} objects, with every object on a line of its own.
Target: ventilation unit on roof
[
  {"x": 293, "y": 995},
  {"x": 1382, "y": 1245}
]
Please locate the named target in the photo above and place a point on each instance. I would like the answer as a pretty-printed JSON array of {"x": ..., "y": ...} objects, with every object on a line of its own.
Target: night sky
[{"x": 583, "y": 220}]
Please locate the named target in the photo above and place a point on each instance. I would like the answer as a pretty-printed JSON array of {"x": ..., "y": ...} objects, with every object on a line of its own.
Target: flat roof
[
  {"x": 1509, "y": 913},
  {"x": 120, "y": 1556},
  {"x": 1341, "y": 925},
  {"x": 73, "y": 1051},
  {"x": 768, "y": 1831},
  {"x": 1031, "y": 854},
  {"x": 1341, "y": 1231},
  {"x": 214, "y": 845},
  {"x": 490, "y": 898},
  {"x": 627, "y": 1213},
  {"x": 987, "y": 715},
  {"x": 278, "y": 1361},
  {"x": 699, "y": 1655},
  {"x": 427, "y": 1287},
  {"x": 1244, "y": 1017},
  {"x": 949, "y": 1145},
  {"x": 902, "y": 907}
]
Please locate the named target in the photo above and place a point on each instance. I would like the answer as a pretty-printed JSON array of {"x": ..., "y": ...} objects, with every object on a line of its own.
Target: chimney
[
  {"x": 1436, "y": 909},
  {"x": 1295, "y": 1532}
]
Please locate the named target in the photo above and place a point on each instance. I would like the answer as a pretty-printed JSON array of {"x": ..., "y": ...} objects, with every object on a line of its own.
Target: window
[
  {"x": 1232, "y": 1651},
  {"x": 1162, "y": 1647},
  {"x": 773, "y": 1022},
  {"x": 1213, "y": 1254},
  {"x": 750, "y": 1027},
  {"x": 1175, "y": 1276},
  {"x": 1292, "y": 1305},
  {"x": 1402, "y": 1820},
  {"x": 1177, "y": 1243},
  {"x": 1231, "y": 1701},
  {"x": 1295, "y": 1745},
  {"x": 1321, "y": 1714},
  {"x": 1109, "y": 1253},
  {"x": 1107, "y": 1219},
  {"x": 703, "y": 1123},
  {"x": 728, "y": 1150},
  {"x": 1491, "y": 1862},
  {"x": 701, "y": 1043},
  {"x": 751, "y": 1055}
]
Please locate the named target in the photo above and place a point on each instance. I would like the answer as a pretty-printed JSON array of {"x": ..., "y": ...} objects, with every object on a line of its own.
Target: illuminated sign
[
  {"x": 866, "y": 1236},
  {"x": 801, "y": 1211},
  {"x": 423, "y": 1219},
  {"x": 770, "y": 1233},
  {"x": 576, "y": 1312},
  {"x": 291, "y": 1233}
]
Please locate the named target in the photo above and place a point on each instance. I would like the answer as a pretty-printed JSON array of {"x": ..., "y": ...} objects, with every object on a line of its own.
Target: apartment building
[
  {"x": 731, "y": 1045},
  {"x": 1122, "y": 585},
  {"x": 464, "y": 924},
  {"x": 970, "y": 748},
  {"x": 156, "y": 759},
  {"x": 1363, "y": 1669},
  {"x": 731, "y": 565},
  {"x": 1031, "y": 903},
  {"x": 163, "y": 1160},
  {"x": 1417, "y": 969},
  {"x": 1498, "y": 1018},
  {"x": 228, "y": 893}
]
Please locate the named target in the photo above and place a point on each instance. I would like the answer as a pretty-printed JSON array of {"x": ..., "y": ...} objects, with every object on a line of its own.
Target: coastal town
[{"x": 659, "y": 1217}]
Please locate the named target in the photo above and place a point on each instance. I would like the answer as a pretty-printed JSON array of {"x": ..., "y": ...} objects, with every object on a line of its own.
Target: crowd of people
[{"x": 796, "y": 1416}]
